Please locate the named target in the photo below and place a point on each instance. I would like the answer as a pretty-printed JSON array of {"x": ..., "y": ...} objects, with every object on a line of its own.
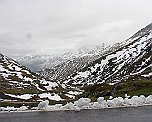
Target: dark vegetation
[{"x": 130, "y": 87}]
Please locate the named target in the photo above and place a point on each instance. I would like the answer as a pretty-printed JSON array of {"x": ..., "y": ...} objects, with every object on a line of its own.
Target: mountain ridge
[
  {"x": 18, "y": 83},
  {"x": 40, "y": 62},
  {"x": 137, "y": 49}
]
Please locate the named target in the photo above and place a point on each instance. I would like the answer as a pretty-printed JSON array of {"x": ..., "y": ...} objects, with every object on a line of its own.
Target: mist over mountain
[{"x": 56, "y": 57}]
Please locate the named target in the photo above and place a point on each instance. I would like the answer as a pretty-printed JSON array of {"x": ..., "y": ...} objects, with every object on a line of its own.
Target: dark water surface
[{"x": 139, "y": 114}]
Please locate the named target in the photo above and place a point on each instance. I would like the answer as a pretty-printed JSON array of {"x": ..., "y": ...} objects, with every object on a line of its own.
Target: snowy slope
[
  {"x": 39, "y": 62},
  {"x": 77, "y": 60},
  {"x": 130, "y": 59},
  {"x": 63, "y": 70},
  {"x": 18, "y": 82}
]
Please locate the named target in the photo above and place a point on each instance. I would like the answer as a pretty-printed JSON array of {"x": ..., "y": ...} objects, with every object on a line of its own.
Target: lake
[{"x": 132, "y": 114}]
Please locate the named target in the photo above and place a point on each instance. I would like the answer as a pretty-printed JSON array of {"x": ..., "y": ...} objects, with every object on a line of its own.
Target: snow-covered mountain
[
  {"x": 39, "y": 62},
  {"x": 19, "y": 83},
  {"x": 130, "y": 59},
  {"x": 61, "y": 71}
]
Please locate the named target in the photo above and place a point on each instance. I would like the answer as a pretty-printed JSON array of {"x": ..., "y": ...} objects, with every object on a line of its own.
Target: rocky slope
[
  {"x": 19, "y": 83},
  {"x": 78, "y": 61},
  {"x": 57, "y": 57},
  {"x": 130, "y": 59}
]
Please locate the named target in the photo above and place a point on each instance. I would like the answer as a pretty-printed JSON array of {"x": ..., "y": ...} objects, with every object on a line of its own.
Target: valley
[{"x": 124, "y": 68}]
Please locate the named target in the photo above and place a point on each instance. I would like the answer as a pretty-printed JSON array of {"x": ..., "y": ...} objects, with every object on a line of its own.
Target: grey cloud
[{"x": 33, "y": 26}]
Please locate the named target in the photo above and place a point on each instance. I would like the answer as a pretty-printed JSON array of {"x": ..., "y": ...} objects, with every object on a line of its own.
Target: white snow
[
  {"x": 43, "y": 105},
  {"x": 22, "y": 108},
  {"x": 147, "y": 75},
  {"x": 82, "y": 74},
  {"x": 27, "y": 79},
  {"x": 82, "y": 102},
  {"x": 37, "y": 86},
  {"x": 100, "y": 100},
  {"x": 51, "y": 96},
  {"x": 70, "y": 106},
  {"x": 74, "y": 92},
  {"x": 130, "y": 53},
  {"x": 127, "y": 96},
  {"x": 24, "y": 96},
  {"x": 50, "y": 85},
  {"x": 15, "y": 82},
  {"x": 70, "y": 96},
  {"x": 13, "y": 67},
  {"x": 110, "y": 97},
  {"x": 93, "y": 69},
  {"x": 149, "y": 99},
  {"x": 111, "y": 84},
  {"x": 85, "y": 103},
  {"x": 55, "y": 107}
]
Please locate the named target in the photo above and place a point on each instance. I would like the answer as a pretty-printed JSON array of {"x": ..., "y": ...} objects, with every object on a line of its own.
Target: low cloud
[{"x": 36, "y": 26}]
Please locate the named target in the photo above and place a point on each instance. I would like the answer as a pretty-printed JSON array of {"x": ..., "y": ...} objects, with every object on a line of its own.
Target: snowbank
[
  {"x": 85, "y": 103},
  {"x": 43, "y": 105},
  {"x": 22, "y": 108}
]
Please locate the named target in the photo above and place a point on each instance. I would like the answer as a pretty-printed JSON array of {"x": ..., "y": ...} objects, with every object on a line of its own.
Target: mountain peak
[
  {"x": 128, "y": 60},
  {"x": 144, "y": 31}
]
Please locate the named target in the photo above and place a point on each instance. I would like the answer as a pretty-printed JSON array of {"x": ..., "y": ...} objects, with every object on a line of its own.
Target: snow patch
[{"x": 50, "y": 96}]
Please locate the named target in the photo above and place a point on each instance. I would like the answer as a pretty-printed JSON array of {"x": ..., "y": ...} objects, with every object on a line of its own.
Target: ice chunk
[
  {"x": 126, "y": 96},
  {"x": 149, "y": 99},
  {"x": 97, "y": 105},
  {"x": 143, "y": 99},
  {"x": 83, "y": 102},
  {"x": 55, "y": 107},
  {"x": 70, "y": 106},
  {"x": 23, "y": 108},
  {"x": 119, "y": 101},
  {"x": 100, "y": 100},
  {"x": 136, "y": 101},
  {"x": 116, "y": 102},
  {"x": 43, "y": 105},
  {"x": 101, "y": 103},
  {"x": 127, "y": 101},
  {"x": 110, "y": 103},
  {"x": 110, "y": 97}
]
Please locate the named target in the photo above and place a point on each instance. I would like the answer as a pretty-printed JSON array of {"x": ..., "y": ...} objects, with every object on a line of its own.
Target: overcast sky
[{"x": 36, "y": 26}]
